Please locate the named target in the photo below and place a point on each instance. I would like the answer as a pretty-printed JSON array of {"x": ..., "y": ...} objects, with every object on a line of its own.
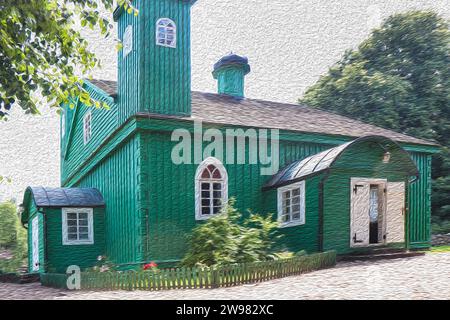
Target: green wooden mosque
[{"x": 132, "y": 193}]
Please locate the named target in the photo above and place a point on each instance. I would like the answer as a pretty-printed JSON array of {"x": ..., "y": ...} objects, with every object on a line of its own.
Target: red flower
[{"x": 150, "y": 265}]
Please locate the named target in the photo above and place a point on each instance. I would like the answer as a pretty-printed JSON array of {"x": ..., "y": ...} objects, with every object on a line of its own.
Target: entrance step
[{"x": 379, "y": 254}]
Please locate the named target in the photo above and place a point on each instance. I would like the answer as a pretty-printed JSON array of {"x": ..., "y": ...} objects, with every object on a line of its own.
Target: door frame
[
  {"x": 35, "y": 259},
  {"x": 371, "y": 181}
]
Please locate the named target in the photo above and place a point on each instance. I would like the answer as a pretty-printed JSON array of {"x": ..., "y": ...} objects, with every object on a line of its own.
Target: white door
[
  {"x": 35, "y": 243},
  {"x": 359, "y": 213},
  {"x": 395, "y": 212}
]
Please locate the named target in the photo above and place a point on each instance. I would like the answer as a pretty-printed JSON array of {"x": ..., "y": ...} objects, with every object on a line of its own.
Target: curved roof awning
[
  {"x": 325, "y": 160},
  {"x": 61, "y": 197}
]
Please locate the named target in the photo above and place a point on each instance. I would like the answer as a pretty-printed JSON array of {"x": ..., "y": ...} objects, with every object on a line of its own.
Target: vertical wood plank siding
[
  {"x": 155, "y": 78},
  {"x": 337, "y": 199},
  {"x": 420, "y": 203},
  {"x": 150, "y": 201},
  {"x": 171, "y": 199},
  {"x": 129, "y": 72},
  {"x": 61, "y": 256},
  {"x": 103, "y": 123},
  {"x": 118, "y": 179}
]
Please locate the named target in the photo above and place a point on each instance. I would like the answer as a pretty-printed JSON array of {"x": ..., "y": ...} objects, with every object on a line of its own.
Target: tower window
[{"x": 166, "y": 33}]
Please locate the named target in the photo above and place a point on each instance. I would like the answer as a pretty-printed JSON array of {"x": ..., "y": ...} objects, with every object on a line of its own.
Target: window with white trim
[
  {"x": 291, "y": 204},
  {"x": 166, "y": 33},
  {"x": 87, "y": 127},
  {"x": 127, "y": 40},
  {"x": 77, "y": 226},
  {"x": 211, "y": 188}
]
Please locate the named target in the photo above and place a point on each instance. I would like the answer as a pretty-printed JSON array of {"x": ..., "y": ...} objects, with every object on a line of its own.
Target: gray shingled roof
[
  {"x": 223, "y": 109},
  {"x": 66, "y": 197},
  {"x": 110, "y": 87}
]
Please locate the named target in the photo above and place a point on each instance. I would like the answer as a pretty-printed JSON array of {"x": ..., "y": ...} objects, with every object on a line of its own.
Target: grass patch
[{"x": 440, "y": 249}]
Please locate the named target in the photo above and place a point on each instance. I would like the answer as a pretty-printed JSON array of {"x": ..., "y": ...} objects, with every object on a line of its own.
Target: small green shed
[
  {"x": 65, "y": 227},
  {"x": 358, "y": 191}
]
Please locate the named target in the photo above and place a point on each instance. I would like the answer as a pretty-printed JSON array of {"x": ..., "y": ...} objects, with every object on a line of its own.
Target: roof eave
[{"x": 119, "y": 10}]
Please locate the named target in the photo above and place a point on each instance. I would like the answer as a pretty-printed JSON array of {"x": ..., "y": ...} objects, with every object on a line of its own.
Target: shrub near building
[
  {"x": 12, "y": 239},
  {"x": 228, "y": 239}
]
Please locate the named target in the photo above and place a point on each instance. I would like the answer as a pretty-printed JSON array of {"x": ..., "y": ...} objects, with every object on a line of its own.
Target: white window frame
[
  {"x": 127, "y": 40},
  {"x": 198, "y": 186},
  {"x": 90, "y": 226},
  {"x": 298, "y": 185},
  {"x": 165, "y": 26},
  {"x": 87, "y": 129}
]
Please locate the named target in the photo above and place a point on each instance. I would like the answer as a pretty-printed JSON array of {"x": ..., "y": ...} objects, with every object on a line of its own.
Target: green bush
[
  {"x": 8, "y": 224},
  {"x": 440, "y": 227},
  {"x": 228, "y": 239},
  {"x": 13, "y": 237}
]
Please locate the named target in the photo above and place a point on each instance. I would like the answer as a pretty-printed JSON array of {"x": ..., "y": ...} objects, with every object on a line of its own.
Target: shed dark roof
[
  {"x": 66, "y": 197},
  {"x": 223, "y": 109}
]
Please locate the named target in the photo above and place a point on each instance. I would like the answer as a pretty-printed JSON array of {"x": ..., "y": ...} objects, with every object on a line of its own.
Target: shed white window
[
  {"x": 77, "y": 226},
  {"x": 87, "y": 127},
  {"x": 211, "y": 188},
  {"x": 166, "y": 33},
  {"x": 291, "y": 204}
]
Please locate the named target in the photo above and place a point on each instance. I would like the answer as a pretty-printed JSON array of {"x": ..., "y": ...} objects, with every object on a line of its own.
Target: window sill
[
  {"x": 206, "y": 217},
  {"x": 291, "y": 224},
  {"x": 77, "y": 243}
]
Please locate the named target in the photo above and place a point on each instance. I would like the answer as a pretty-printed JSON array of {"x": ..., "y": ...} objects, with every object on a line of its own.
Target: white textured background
[{"x": 289, "y": 44}]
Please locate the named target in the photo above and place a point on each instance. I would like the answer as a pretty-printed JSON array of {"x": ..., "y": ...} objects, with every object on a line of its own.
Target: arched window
[
  {"x": 166, "y": 33},
  {"x": 211, "y": 188}
]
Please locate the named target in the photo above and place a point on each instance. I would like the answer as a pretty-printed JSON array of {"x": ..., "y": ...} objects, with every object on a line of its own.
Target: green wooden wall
[
  {"x": 231, "y": 81},
  {"x": 154, "y": 78},
  {"x": 170, "y": 196},
  {"x": 150, "y": 201},
  {"x": 60, "y": 256},
  {"x": 104, "y": 121},
  {"x": 300, "y": 237},
  {"x": 364, "y": 162},
  {"x": 420, "y": 203},
  {"x": 118, "y": 178}
]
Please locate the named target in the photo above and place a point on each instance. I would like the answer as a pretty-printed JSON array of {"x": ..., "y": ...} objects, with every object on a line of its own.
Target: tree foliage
[
  {"x": 12, "y": 238},
  {"x": 42, "y": 53},
  {"x": 8, "y": 224},
  {"x": 226, "y": 239},
  {"x": 399, "y": 78}
]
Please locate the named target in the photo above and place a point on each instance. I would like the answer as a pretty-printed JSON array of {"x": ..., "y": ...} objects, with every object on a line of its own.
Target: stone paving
[{"x": 423, "y": 277}]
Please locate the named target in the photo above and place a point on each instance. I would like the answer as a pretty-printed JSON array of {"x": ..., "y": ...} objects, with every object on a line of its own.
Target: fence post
[{"x": 215, "y": 278}]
